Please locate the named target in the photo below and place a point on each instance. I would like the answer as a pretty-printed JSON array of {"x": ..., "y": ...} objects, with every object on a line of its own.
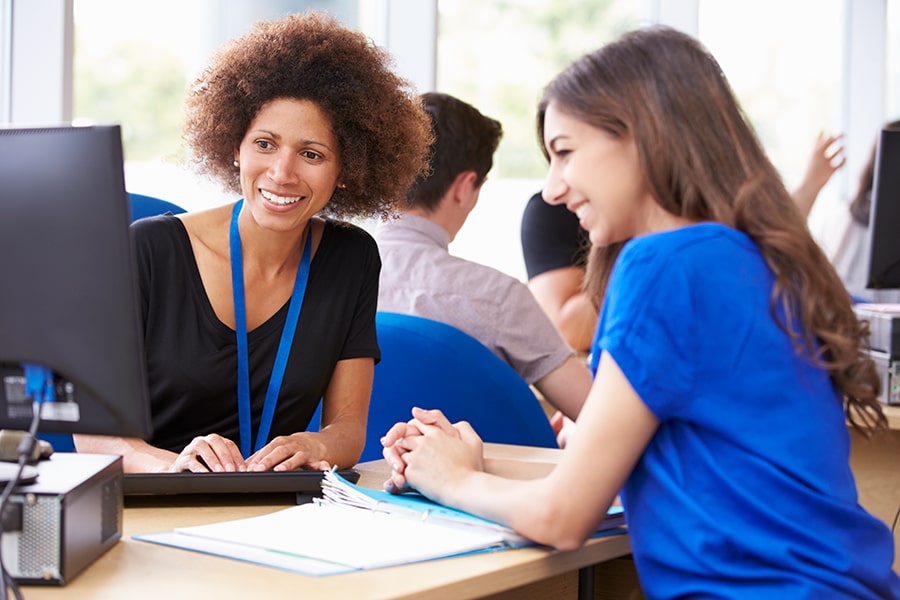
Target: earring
[
  {"x": 342, "y": 186},
  {"x": 237, "y": 164}
]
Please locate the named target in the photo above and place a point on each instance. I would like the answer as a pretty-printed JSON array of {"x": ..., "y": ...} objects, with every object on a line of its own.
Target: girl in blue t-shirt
[{"x": 727, "y": 356}]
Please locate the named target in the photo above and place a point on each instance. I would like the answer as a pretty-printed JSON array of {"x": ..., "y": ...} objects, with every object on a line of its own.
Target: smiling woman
[
  {"x": 289, "y": 164},
  {"x": 254, "y": 311},
  {"x": 725, "y": 342},
  {"x": 586, "y": 154}
]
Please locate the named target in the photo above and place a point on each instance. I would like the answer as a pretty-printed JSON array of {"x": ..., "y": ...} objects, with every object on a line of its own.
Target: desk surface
[
  {"x": 137, "y": 570},
  {"x": 893, "y": 416}
]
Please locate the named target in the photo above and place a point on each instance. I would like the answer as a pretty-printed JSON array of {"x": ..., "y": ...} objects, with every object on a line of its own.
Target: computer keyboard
[{"x": 266, "y": 482}]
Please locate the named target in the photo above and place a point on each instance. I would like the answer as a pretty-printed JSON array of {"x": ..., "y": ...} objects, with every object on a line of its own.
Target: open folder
[{"x": 353, "y": 528}]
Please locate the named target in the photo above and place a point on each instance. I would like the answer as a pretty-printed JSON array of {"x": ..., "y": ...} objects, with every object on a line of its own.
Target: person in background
[
  {"x": 728, "y": 359},
  {"x": 420, "y": 277},
  {"x": 845, "y": 237},
  {"x": 255, "y": 310},
  {"x": 826, "y": 158},
  {"x": 555, "y": 250}
]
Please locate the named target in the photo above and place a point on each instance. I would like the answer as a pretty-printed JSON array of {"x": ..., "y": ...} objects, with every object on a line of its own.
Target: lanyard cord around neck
[{"x": 284, "y": 346}]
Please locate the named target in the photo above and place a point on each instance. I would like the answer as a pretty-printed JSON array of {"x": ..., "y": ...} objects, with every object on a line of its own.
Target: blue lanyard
[{"x": 284, "y": 346}]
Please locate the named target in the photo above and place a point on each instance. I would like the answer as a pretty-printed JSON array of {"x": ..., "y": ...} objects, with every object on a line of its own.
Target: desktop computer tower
[
  {"x": 884, "y": 346},
  {"x": 889, "y": 370},
  {"x": 56, "y": 526}
]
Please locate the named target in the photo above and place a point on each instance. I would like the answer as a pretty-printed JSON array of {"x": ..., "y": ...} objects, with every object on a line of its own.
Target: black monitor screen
[
  {"x": 884, "y": 261},
  {"x": 68, "y": 296}
]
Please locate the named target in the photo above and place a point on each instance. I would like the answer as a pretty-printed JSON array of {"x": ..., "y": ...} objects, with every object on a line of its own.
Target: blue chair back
[
  {"x": 141, "y": 206},
  {"x": 150, "y": 206},
  {"x": 430, "y": 364}
]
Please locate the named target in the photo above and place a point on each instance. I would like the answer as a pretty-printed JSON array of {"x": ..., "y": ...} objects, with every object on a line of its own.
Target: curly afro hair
[{"x": 382, "y": 130}]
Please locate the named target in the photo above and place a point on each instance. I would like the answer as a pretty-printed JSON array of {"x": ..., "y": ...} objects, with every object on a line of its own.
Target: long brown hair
[{"x": 703, "y": 161}]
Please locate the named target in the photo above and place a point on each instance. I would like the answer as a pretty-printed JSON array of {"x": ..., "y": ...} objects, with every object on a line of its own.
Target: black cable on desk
[
  {"x": 25, "y": 448},
  {"x": 894, "y": 524},
  {"x": 38, "y": 386},
  {"x": 7, "y": 583}
]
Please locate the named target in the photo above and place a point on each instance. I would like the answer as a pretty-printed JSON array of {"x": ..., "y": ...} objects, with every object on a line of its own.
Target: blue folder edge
[{"x": 615, "y": 516}]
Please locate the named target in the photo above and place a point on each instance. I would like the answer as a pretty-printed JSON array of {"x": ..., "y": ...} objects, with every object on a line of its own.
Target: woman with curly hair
[
  {"x": 727, "y": 357},
  {"x": 254, "y": 311}
]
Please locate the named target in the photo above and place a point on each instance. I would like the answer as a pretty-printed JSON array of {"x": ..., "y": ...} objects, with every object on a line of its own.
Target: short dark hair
[{"x": 464, "y": 140}]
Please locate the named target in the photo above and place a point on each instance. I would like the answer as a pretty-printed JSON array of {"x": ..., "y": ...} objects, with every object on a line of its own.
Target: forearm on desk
[
  {"x": 345, "y": 408},
  {"x": 137, "y": 455}
]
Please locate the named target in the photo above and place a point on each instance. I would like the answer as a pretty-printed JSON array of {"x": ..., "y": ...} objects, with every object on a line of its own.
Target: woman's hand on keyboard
[
  {"x": 210, "y": 453},
  {"x": 290, "y": 452}
]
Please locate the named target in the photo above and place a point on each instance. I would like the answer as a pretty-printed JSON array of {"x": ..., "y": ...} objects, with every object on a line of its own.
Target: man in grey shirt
[{"x": 420, "y": 277}]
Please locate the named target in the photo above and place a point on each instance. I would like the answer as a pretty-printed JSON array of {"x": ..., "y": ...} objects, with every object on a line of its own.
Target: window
[
  {"x": 787, "y": 61},
  {"x": 892, "y": 56},
  {"x": 498, "y": 56},
  {"x": 783, "y": 60},
  {"x": 5, "y": 58},
  {"x": 132, "y": 63}
]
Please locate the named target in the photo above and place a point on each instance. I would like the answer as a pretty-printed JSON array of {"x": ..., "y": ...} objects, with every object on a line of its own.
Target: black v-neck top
[{"x": 192, "y": 355}]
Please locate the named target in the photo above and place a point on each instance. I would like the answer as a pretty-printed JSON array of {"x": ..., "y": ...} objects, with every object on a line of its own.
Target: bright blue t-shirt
[{"x": 745, "y": 490}]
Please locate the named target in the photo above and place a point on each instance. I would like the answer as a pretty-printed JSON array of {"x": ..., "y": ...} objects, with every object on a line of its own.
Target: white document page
[{"x": 347, "y": 536}]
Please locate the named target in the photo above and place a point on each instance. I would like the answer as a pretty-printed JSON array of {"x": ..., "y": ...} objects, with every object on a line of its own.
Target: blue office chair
[
  {"x": 433, "y": 365},
  {"x": 150, "y": 206},
  {"x": 141, "y": 206}
]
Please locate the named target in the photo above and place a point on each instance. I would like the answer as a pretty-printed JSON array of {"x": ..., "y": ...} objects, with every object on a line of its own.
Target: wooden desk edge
[{"x": 519, "y": 573}]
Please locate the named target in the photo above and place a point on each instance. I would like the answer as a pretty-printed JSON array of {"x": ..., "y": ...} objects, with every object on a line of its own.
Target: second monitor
[{"x": 884, "y": 260}]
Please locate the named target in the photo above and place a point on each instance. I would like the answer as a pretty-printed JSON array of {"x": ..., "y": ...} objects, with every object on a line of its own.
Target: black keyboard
[{"x": 302, "y": 483}]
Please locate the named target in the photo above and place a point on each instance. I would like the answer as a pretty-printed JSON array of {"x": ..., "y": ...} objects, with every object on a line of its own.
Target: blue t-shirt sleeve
[{"x": 647, "y": 326}]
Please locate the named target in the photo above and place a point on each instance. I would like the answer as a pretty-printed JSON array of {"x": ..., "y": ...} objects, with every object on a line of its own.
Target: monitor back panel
[
  {"x": 70, "y": 299},
  {"x": 884, "y": 262}
]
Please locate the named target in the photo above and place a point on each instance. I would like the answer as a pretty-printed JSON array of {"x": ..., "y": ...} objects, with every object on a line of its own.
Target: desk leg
[
  {"x": 616, "y": 580},
  {"x": 586, "y": 583}
]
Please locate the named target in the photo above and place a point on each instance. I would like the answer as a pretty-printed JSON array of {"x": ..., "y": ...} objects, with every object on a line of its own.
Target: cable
[
  {"x": 896, "y": 516},
  {"x": 38, "y": 385},
  {"x": 7, "y": 582}
]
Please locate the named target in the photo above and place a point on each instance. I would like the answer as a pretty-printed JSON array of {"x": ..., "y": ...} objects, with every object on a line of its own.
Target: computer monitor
[
  {"x": 68, "y": 292},
  {"x": 884, "y": 260}
]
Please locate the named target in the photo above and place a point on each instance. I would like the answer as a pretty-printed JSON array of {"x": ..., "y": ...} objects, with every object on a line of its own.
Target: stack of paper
[{"x": 350, "y": 528}]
